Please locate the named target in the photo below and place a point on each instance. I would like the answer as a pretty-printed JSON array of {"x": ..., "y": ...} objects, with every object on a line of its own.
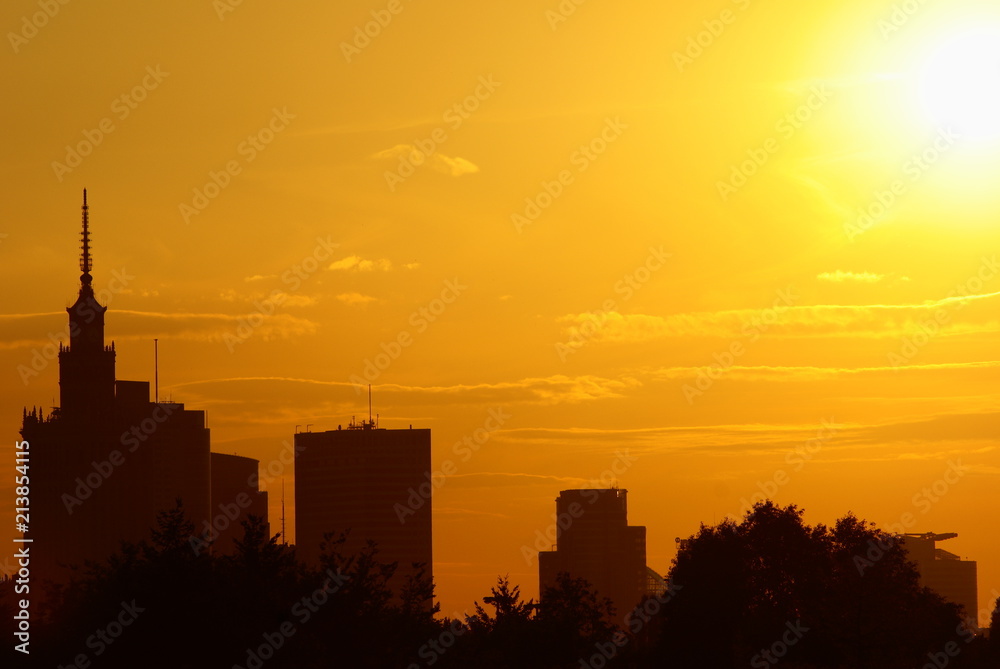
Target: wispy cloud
[
  {"x": 825, "y": 320},
  {"x": 453, "y": 166},
  {"x": 354, "y": 299},
  {"x": 841, "y": 276},
  {"x": 358, "y": 264},
  {"x": 143, "y": 324},
  {"x": 537, "y": 390}
]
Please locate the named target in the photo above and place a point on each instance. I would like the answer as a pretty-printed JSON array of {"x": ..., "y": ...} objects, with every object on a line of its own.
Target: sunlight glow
[{"x": 960, "y": 84}]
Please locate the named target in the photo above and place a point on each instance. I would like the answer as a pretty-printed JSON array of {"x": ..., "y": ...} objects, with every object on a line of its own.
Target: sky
[{"x": 702, "y": 251}]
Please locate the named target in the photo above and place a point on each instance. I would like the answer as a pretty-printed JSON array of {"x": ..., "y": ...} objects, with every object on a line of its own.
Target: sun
[{"x": 960, "y": 84}]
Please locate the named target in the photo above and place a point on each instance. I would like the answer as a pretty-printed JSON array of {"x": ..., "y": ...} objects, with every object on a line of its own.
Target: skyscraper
[
  {"x": 107, "y": 459},
  {"x": 944, "y": 572},
  {"x": 595, "y": 542},
  {"x": 372, "y": 482}
]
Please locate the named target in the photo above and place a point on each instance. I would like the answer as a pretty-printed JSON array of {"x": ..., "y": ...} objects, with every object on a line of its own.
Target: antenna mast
[
  {"x": 85, "y": 264},
  {"x": 156, "y": 369},
  {"x": 284, "y": 538}
]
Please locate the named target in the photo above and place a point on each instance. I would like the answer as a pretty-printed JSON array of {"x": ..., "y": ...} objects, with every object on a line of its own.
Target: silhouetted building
[
  {"x": 107, "y": 459},
  {"x": 595, "y": 542},
  {"x": 372, "y": 482},
  {"x": 945, "y": 573},
  {"x": 236, "y": 495}
]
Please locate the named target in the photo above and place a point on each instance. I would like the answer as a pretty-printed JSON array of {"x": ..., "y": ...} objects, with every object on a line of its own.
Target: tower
[
  {"x": 86, "y": 366},
  {"x": 596, "y": 543},
  {"x": 372, "y": 482},
  {"x": 108, "y": 460}
]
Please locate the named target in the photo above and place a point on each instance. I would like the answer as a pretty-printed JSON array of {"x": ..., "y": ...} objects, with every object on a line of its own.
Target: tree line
[{"x": 765, "y": 591}]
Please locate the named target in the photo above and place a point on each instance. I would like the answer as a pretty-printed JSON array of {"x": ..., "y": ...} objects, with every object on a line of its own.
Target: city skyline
[{"x": 562, "y": 291}]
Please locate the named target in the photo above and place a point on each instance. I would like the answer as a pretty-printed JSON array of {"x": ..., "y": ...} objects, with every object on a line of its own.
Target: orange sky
[{"x": 567, "y": 216}]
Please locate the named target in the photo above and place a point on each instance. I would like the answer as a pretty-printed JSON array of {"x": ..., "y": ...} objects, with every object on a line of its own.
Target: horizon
[{"x": 704, "y": 269}]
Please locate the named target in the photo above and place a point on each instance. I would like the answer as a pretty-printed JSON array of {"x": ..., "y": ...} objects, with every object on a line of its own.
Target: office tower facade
[
  {"x": 107, "y": 459},
  {"x": 595, "y": 542},
  {"x": 236, "y": 495},
  {"x": 943, "y": 572},
  {"x": 372, "y": 483}
]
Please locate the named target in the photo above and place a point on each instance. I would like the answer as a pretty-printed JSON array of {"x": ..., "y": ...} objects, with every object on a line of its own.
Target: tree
[
  {"x": 573, "y": 619},
  {"x": 771, "y": 587},
  {"x": 507, "y": 637},
  {"x": 509, "y": 610}
]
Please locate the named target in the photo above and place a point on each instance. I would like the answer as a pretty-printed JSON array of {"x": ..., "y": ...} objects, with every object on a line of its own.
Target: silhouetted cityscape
[{"x": 133, "y": 512}]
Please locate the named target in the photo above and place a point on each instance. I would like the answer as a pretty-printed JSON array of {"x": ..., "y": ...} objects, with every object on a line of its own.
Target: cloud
[
  {"x": 280, "y": 298},
  {"x": 355, "y": 298},
  {"x": 807, "y": 373},
  {"x": 824, "y": 320},
  {"x": 546, "y": 391},
  {"x": 453, "y": 166},
  {"x": 128, "y": 324},
  {"x": 910, "y": 438},
  {"x": 358, "y": 264},
  {"x": 289, "y": 300},
  {"x": 841, "y": 276}
]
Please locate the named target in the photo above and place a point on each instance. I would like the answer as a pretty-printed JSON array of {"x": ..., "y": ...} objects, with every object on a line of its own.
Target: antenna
[
  {"x": 156, "y": 369},
  {"x": 369, "y": 403},
  {"x": 85, "y": 258},
  {"x": 284, "y": 539}
]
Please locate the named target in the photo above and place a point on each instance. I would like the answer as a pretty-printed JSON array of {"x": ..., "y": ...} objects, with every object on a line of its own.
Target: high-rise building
[
  {"x": 371, "y": 482},
  {"x": 595, "y": 542},
  {"x": 107, "y": 459},
  {"x": 236, "y": 495},
  {"x": 945, "y": 573}
]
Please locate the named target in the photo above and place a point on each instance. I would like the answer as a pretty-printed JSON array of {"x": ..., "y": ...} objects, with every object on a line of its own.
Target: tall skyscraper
[
  {"x": 595, "y": 542},
  {"x": 107, "y": 459},
  {"x": 372, "y": 482}
]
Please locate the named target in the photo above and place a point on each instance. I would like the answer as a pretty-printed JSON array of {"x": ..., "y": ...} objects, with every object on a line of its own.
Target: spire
[{"x": 85, "y": 264}]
